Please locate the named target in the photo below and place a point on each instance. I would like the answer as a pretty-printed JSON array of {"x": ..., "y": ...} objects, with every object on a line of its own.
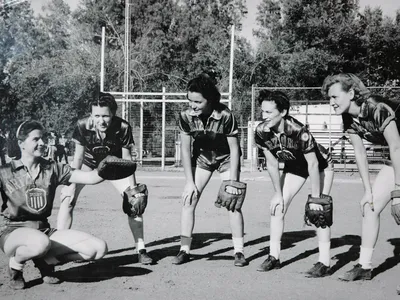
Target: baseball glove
[
  {"x": 113, "y": 168},
  {"x": 229, "y": 200},
  {"x": 135, "y": 200},
  {"x": 395, "y": 208},
  {"x": 320, "y": 218}
]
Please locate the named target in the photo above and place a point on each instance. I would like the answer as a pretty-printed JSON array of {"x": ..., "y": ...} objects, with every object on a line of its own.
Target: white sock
[
  {"x": 365, "y": 259},
  {"x": 140, "y": 245},
  {"x": 275, "y": 248},
  {"x": 324, "y": 253},
  {"x": 238, "y": 244},
  {"x": 186, "y": 243},
  {"x": 15, "y": 265}
]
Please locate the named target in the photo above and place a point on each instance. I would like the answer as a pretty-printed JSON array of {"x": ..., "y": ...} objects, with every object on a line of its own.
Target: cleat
[
  {"x": 144, "y": 258},
  {"x": 46, "y": 271},
  {"x": 181, "y": 258},
  {"x": 240, "y": 260},
  {"x": 269, "y": 264},
  {"x": 357, "y": 273},
  {"x": 17, "y": 281},
  {"x": 318, "y": 270}
]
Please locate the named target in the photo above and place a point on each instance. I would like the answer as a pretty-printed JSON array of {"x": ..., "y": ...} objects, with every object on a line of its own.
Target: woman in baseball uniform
[
  {"x": 376, "y": 120},
  {"x": 282, "y": 138},
  {"x": 214, "y": 131},
  {"x": 28, "y": 186}
]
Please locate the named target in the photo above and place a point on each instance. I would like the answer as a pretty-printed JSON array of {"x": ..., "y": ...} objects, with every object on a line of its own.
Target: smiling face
[
  {"x": 102, "y": 117},
  {"x": 33, "y": 145},
  {"x": 199, "y": 104},
  {"x": 339, "y": 99},
  {"x": 271, "y": 114}
]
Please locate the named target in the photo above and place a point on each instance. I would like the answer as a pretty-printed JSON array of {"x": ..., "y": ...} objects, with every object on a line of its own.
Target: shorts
[
  {"x": 300, "y": 167},
  {"x": 7, "y": 226},
  {"x": 211, "y": 161}
]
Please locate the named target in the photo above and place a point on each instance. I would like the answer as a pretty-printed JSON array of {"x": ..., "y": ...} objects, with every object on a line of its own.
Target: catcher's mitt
[
  {"x": 229, "y": 200},
  {"x": 135, "y": 200},
  {"x": 395, "y": 208},
  {"x": 113, "y": 168},
  {"x": 320, "y": 218}
]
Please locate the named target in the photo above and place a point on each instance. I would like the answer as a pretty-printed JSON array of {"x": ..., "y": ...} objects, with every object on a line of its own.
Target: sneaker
[
  {"x": 144, "y": 258},
  {"x": 181, "y": 258},
  {"x": 318, "y": 270},
  {"x": 17, "y": 281},
  {"x": 46, "y": 271},
  {"x": 357, "y": 273},
  {"x": 269, "y": 264},
  {"x": 240, "y": 260}
]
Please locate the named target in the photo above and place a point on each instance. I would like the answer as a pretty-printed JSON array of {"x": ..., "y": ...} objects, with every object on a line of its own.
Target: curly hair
[
  {"x": 348, "y": 81},
  {"x": 205, "y": 85},
  {"x": 280, "y": 98},
  {"x": 104, "y": 100},
  {"x": 27, "y": 127}
]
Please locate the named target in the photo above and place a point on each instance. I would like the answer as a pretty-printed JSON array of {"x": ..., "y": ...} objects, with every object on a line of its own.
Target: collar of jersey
[
  {"x": 17, "y": 164},
  {"x": 216, "y": 115}
]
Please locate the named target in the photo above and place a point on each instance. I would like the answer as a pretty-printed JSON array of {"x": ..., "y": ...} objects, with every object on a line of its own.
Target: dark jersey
[
  {"x": 291, "y": 145},
  {"x": 213, "y": 135},
  {"x": 118, "y": 136},
  {"x": 376, "y": 113},
  {"x": 25, "y": 198}
]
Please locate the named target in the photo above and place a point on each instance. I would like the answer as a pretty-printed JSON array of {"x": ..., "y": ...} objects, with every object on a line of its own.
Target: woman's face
[
  {"x": 271, "y": 115},
  {"x": 33, "y": 145},
  {"x": 199, "y": 104},
  {"x": 102, "y": 117},
  {"x": 339, "y": 99}
]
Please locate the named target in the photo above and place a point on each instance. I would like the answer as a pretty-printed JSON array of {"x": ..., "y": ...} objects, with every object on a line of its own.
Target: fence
[{"x": 153, "y": 118}]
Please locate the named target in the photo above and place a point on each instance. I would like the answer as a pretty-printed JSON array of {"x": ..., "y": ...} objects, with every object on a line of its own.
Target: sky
[{"x": 389, "y": 7}]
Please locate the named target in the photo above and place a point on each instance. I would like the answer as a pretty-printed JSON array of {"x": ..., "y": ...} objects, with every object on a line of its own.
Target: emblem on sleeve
[{"x": 305, "y": 136}]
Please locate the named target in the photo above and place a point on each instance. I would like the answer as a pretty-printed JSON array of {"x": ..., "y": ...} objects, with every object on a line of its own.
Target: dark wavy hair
[
  {"x": 104, "y": 100},
  {"x": 206, "y": 86},
  {"x": 26, "y": 127},
  {"x": 347, "y": 81},
  {"x": 280, "y": 98}
]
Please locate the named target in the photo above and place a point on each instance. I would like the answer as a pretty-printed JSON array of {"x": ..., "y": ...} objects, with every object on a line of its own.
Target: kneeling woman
[{"x": 28, "y": 186}]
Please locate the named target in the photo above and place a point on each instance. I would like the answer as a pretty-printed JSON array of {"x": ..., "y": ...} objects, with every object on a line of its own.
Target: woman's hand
[
  {"x": 190, "y": 192},
  {"x": 366, "y": 199},
  {"x": 277, "y": 200}
]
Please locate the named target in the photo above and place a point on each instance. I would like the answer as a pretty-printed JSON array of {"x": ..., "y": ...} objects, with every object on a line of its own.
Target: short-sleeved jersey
[
  {"x": 25, "y": 198},
  {"x": 375, "y": 114},
  {"x": 213, "y": 135},
  {"x": 290, "y": 145},
  {"x": 118, "y": 136}
]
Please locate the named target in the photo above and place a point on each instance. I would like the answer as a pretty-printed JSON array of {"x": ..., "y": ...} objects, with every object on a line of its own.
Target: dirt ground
[{"x": 211, "y": 274}]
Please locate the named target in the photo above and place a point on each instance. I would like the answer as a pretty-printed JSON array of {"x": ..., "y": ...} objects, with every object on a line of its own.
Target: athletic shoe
[
  {"x": 240, "y": 260},
  {"x": 269, "y": 264},
  {"x": 318, "y": 270},
  {"x": 357, "y": 273},
  {"x": 181, "y": 258},
  {"x": 17, "y": 281},
  {"x": 46, "y": 271},
  {"x": 144, "y": 258}
]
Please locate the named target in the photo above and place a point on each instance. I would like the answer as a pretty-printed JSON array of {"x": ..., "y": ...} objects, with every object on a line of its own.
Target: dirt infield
[{"x": 211, "y": 274}]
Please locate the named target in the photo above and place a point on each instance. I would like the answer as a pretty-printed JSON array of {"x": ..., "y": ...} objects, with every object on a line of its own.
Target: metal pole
[
  {"x": 103, "y": 46},
  {"x": 141, "y": 133},
  {"x": 231, "y": 65},
  {"x": 250, "y": 133},
  {"x": 126, "y": 56},
  {"x": 163, "y": 132}
]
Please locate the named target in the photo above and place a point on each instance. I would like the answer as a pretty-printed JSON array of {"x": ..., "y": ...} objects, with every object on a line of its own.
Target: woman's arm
[
  {"x": 186, "y": 157},
  {"x": 313, "y": 172},
  {"x": 234, "y": 148},
  {"x": 392, "y": 137},
  {"x": 273, "y": 170},
  {"x": 361, "y": 160},
  {"x": 126, "y": 154}
]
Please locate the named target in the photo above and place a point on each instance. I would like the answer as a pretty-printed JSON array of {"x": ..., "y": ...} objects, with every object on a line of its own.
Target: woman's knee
[
  {"x": 101, "y": 249},
  {"x": 38, "y": 245}
]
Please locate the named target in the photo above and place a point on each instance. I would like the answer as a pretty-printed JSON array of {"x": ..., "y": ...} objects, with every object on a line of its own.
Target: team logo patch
[
  {"x": 101, "y": 150},
  {"x": 36, "y": 199},
  {"x": 305, "y": 136}
]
